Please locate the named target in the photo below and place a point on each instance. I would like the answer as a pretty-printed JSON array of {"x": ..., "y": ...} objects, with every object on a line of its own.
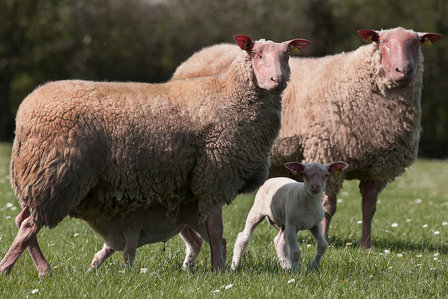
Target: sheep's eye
[{"x": 257, "y": 54}]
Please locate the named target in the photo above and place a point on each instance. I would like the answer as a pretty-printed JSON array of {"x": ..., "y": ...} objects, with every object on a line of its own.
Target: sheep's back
[{"x": 70, "y": 134}]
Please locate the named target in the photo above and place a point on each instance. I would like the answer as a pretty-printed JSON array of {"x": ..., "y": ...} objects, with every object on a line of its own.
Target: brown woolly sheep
[{"x": 115, "y": 148}]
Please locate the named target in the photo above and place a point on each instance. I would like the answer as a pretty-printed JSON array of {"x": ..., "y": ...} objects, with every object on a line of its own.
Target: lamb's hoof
[
  {"x": 187, "y": 266},
  {"x": 234, "y": 266}
]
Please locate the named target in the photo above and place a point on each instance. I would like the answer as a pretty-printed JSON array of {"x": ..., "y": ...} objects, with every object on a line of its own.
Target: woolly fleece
[{"x": 125, "y": 145}]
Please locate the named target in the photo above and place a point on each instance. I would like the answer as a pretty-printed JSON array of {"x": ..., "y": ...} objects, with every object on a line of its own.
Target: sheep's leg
[
  {"x": 369, "y": 191},
  {"x": 321, "y": 245},
  {"x": 100, "y": 257},
  {"x": 193, "y": 244},
  {"x": 295, "y": 255},
  {"x": 282, "y": 249},
  {"x": 27, "y": 234},
  {"x": 253, "y": 219},
  {"x": 215, "y": 231},
  {"x": 130, "y": 248},
  {"x": 329, "y": 203},
  {"x": 43, "y": 267}
]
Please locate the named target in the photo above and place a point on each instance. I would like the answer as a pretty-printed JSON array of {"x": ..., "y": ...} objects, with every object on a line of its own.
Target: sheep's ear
[
  {"x": 244, "y": 42},
  {"x": 296, "y": 45},
  {"x": 296, "y": 166},
  {"x": 429, "y": 38},
  {"x": 369, "y": 35},
  {"x": 336, "y": 167}
]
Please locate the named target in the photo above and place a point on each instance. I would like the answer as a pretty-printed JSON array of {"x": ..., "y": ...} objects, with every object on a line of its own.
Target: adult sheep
[
  {"x": 362, "y": 107},
  {"x": 124, "y": 146}
]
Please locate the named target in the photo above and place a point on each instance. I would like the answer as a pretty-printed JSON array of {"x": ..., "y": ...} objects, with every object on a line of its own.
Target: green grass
[{"x": 409, "y": 259}]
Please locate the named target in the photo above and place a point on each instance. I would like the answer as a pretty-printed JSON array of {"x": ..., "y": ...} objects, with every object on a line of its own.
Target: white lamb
[{"x": 290, "y": 206}]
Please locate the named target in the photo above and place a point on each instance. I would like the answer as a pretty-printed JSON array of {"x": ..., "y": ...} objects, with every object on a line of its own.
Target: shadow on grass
[{"x": 393, "y": 244}]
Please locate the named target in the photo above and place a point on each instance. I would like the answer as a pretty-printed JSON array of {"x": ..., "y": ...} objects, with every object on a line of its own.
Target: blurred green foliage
[{"x": 145, "y": 40}]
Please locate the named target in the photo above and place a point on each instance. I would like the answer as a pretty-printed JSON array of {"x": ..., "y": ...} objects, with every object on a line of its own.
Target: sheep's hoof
[
  {"x": 5, "y": 271},
  {"x": 45, "y": 274},
  {"x": 313, "y": 265}
]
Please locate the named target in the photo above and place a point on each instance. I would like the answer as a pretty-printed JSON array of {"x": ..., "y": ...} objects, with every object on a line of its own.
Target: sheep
[
  {"x": 290, "y": 206},
  {"x": 127, "y": 146},
  {"x": 362, "y": 107}
]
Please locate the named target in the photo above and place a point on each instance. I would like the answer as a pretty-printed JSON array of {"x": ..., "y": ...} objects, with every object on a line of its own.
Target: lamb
[
  {"x": 290, "y": 206},
  {"x": 121, "y": 147},
  {"x": 362, "y": 107}
]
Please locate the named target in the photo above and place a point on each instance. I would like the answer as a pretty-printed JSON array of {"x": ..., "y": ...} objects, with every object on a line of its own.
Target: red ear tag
[{"x": 246, "y": 46}]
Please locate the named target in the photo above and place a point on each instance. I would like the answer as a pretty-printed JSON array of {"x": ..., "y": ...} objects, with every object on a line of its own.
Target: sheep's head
[
  {"x": 270, "y": 60},
  {"x": 315, "y": 175},
  {"x": 399, "y": 50}
]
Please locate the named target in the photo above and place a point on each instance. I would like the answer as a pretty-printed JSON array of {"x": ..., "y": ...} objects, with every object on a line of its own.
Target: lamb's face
[
  {"x": 270, "y": 60},
  {"x": 315, "y": 175},
  {"x": 400, "y": 51}
]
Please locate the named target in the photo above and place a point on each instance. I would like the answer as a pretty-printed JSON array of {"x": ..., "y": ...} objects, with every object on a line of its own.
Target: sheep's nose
[
  {"x": 277, "y": 82},
  {"x": 404, "y": 72}
]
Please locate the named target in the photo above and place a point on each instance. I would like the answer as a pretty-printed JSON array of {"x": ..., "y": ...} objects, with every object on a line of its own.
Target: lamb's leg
[
  {"x": 369, "y": 191},
  {"x": 43, "y": 267},
  {"x": 100, "y": 257},
  {"x": 193, "y": 244},
  {"x": 253, "y": 219},
  {"x": 329, "y": 202},
  {"x": 27, "y": 231},
  {"x": 321, "y": 245},
  {"x": 282, "y": 249},
  {"x": 295, "y": 255},
  {"x": 215, "y": 230}
]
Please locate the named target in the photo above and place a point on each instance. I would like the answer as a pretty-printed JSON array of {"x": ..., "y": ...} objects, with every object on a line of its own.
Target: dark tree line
[{"x": 145, "y": 40}]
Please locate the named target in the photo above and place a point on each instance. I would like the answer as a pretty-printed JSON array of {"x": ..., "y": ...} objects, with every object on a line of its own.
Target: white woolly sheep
[
  {"x": 362, "y": 107},
  {"x": 290, "y": 206},
  {"x": 126, "y": 146}
]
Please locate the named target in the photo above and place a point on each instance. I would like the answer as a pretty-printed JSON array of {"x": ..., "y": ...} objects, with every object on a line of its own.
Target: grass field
[{"x": 410, "y": 259}]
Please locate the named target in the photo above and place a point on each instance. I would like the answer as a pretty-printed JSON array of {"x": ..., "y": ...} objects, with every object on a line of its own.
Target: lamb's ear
[
  {"x": 368, "y": 35},
  {"x": 296, "y": 45},
  {"x": 296, "y": 166},
  {"x": 335, "y": 167},
  {"x": 429, "y": 38},
  {"x": 244, "y": 42}
]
